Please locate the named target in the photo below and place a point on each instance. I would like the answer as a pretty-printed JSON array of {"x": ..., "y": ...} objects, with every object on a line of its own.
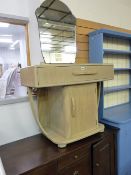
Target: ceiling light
[
  {"x": 46, "y": 47},
  {"x": 70, "y": 49},
  {"x": 6, "y": 36},
  {"x": 16, "y": 42},
  {"x": 68, "y": 57},
  {"x": 3, "y": 24},
  {"x": 5, "y": 40},
  {"x": 12, "y": 48},
  {"x": 45, "y": 40},
  {"x": 46, "y": 34}
]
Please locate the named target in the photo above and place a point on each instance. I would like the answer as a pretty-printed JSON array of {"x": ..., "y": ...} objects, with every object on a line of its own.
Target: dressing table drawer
[{"x": 67, "y": 74}]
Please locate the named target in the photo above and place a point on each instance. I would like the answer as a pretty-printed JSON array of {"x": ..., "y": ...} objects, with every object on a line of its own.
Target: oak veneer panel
[
  {"x": 82, "y": 38},
  {"x": 88, "y": 24},
  {"x": 81, "y": 54},
  {"x": 83, "y": 60},
  {"x": 83, "y": 30},
  {"x": 82, "y": 46},
  {"x": 95, "y": 25}
]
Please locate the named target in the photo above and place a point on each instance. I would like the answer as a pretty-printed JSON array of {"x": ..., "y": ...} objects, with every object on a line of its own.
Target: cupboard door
[
  {"x": 103, "y": 157},
  {"x": 83, "y": 108}
]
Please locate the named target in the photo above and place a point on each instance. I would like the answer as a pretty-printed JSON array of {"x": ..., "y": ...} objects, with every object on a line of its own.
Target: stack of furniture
[{"x": 106, "y": 46}]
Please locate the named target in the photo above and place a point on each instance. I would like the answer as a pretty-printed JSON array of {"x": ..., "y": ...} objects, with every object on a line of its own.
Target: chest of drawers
[{"x": 37, "y": 155}]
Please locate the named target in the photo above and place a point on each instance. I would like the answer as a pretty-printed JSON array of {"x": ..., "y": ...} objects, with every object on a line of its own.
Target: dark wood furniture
[{"x": 36, "y": 155}]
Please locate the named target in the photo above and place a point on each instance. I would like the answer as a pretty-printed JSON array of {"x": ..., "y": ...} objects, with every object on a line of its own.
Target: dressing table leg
[{"x": 62, "y": 145}]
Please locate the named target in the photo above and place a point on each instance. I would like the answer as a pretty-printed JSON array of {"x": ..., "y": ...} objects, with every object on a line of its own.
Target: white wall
[
  {"x": 36, "y": 56},
  {"x": 112, "y": 12},
  {"x": 14, "y": 7},
  {"x": 16, "y": 121}
]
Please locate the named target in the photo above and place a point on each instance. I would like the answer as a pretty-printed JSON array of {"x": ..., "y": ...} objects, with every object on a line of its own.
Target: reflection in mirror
[{"x": 57, "y": 32}]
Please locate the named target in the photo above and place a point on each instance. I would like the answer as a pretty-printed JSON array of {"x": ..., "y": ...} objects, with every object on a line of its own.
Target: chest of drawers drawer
[
  {"x": 50, "y": 169},
  {"x": 74, "y": 156},
  {"x": 81, "y": 167}
]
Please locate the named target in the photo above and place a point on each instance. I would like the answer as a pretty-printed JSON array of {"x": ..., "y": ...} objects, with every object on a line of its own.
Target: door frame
[{"x": 23, "y": 21}]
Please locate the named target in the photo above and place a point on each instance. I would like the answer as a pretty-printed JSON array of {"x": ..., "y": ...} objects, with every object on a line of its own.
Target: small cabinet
[{"x": 104, "y": 156}]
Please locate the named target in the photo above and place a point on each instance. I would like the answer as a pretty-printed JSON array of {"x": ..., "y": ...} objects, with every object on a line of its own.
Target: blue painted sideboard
[{"x": 106, "y": 46}]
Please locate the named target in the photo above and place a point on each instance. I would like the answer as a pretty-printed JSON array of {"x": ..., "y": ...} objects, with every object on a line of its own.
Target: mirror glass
[{"x": 57, "y": 32}]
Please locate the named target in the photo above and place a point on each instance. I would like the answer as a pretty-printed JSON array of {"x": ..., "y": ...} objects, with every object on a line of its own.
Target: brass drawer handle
[
  {"x": 76, "y": 173},
  {"x": 84, "y": 73},
  {"x": 97, "y": 164},
  {"x": 76, "y": 156}
]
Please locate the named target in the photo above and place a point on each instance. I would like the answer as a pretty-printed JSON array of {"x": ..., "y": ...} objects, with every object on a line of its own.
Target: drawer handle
[
  {"x": 76, "y": 173},
  {"x": 84, "y": 73},
  {"x": 76, "y": 157},
  {"x": 97, "y": 164},
  {"x": 73, "y": 109}
]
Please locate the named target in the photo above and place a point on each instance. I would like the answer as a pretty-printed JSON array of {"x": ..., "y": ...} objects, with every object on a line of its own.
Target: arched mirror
[{"x": 57, "y": 32}]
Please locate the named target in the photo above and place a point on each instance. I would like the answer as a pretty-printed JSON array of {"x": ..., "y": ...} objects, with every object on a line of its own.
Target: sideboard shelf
[
  {"x": 120, "y": 114},
  {"x": 112, "y": 51},
  {"x": 120, "y": 69},
  {"x": 116, "y": 88}
]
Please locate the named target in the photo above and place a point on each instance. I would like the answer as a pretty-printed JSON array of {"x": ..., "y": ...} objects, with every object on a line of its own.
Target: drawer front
[
  {"x": 81, "y": 167},
  {"x": 76, "y": 155},
  {"x": 49, "y": 169},
  {"x": 49, "y": 76}
]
